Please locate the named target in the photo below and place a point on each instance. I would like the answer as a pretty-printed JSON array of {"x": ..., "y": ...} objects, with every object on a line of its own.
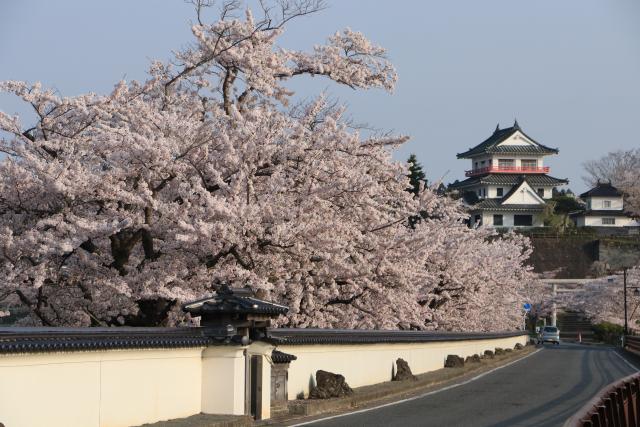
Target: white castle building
[
  {"x": 604, "y": 208},
  {"x": 508, "y": 184}
]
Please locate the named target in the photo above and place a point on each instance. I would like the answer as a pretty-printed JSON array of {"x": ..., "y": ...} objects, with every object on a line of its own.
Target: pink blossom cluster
[
  {"x": 603, "y": 299},
  {"x": 116, "y": 209}
]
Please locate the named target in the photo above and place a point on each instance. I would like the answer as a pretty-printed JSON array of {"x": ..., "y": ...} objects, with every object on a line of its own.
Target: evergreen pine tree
[{"x": 416, "y": 175}]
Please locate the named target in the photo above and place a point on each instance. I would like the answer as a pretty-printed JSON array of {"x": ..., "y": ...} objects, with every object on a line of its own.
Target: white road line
[
  {"x": 449, "y": 387},
  {"x": 626, "y": 361}
]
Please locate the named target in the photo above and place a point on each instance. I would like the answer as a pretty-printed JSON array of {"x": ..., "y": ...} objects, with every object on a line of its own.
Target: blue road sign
[{"x": 527, "y": 306}]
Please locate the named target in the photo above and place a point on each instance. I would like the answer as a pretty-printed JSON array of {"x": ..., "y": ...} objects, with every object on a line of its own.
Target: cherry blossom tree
[
  {"x": 479, "y": 280},
  {"x": 115, "y": 209},
  {"x": 603, "y": 299}
]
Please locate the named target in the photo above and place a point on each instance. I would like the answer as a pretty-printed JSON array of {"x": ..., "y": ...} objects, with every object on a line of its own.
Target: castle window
[
  {"x": 506, "y": 163},
  {"x": 497, "y": 220},
  {"x": 541, "y": 192},
  {"x": 523, "y": 220},
  {"x": 529, "y": 163},
  {"x": 606, "y": 204},
  {"x": 608, "y": 221},
  {"x": 499, "y": 192}
]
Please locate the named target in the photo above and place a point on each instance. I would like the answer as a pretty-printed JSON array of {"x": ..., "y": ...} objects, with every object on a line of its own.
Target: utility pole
[
  {"x": 554, "y": 314},
  {"x": 626, "y": 326}
]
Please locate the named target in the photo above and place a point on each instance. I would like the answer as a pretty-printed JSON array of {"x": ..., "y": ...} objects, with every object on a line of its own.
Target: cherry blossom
[
  {"x": 115, "y": 209},
  {"x": 603, "y": 299}
]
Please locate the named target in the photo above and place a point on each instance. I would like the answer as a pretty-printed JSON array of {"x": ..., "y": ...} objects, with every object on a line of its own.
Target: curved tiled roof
[
  {"x": 278, "y": 356},
  {"x": 490, "y": 145},
  {"x": 602, "y": 190},
  {"x": 38, "y": 340},
  {"x": 603, "y": 212},
  {"x": 234, "y": 300},
  {"x": 496, "y": 205},
  {"x": 286, "y": 336},
  {"x": 510, "y": 179}
]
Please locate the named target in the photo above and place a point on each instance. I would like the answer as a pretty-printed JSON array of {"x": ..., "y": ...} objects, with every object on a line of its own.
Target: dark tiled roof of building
[
  {"x": 602, "y": 190},
  {"x": 278, "y": 356},
  {"x": 39, "y": 340},
  {"x": 602, "y": 212},
  {"x": 510, "y": 179},
  {"x": 496, "y": 205},
  {"x": 286, "y": 336},
  {"x": 490, "y": 145},
  {"x": 234, "y": 301}
]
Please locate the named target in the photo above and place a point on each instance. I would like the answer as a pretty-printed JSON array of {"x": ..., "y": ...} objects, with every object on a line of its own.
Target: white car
[{"x": 550, "y": 334}]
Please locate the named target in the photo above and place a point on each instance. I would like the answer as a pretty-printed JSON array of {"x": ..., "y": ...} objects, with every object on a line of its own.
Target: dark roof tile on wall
[
  {"x": 37, "y": 340},
  {"x": 278, "y": 356},
  {"x": 287, "y": 336}
]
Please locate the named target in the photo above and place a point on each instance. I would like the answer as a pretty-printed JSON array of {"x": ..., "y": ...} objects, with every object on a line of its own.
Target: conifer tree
[{"x": 416, "y": 175}]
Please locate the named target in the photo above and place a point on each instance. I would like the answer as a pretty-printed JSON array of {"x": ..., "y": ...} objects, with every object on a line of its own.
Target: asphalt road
[{"x": 543, "y": 389}]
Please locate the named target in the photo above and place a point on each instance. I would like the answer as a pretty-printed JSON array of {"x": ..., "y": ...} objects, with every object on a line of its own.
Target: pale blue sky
[{"x": 568, "y": 70}]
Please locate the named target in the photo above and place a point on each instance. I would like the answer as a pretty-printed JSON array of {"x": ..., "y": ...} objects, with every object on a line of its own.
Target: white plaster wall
[
  {"x": 223, "y": 385},
  {"x": 99, "y": 388},
  {"x": 366, "y": 364},
  {"x": 596, "y": 221},
  {"x": 507, "y": 219},
  {"x": 223, "y": 378},
  {"x": 493, "y": 190},
  {"x": 115, "y": 388},
  {"x": 597, "y": 203},
  {"x": 517, "y": 139},
  {"x": 524, "y": 195},
  {"x": 547, "y": 192}
]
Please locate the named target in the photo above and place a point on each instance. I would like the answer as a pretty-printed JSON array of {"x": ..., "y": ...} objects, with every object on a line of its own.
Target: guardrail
[
  {"x": 618, "y": 404},
  {"x": 632, "y": 343}
]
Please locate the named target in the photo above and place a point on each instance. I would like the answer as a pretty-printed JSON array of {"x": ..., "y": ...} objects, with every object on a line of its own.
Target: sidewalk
[{"x": 206, "y": 420}]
